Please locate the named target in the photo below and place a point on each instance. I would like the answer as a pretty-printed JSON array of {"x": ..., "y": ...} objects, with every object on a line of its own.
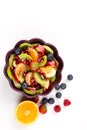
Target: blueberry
[
  {"x": 50, "y": 57},
  {"x": 58, "y": 95},
  {"x": 44, "y": 100},
  {"x": 24, "y": 85},
  {"x": 70, "y": 77},
  {"x": 51, "y": 100},
  {"x": 57, "y": 87},
  {"x": 17, "y": 51},
  {"x": 63, "y": 86}
]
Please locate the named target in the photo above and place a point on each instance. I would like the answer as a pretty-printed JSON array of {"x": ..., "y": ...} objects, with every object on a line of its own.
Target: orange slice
[
  {"x": 26, "y": 112},
  {"x": 33, "y": 53}
]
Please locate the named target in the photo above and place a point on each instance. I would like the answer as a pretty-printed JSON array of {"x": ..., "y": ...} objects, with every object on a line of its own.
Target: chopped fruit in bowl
[{"x": 33, "y": 67}]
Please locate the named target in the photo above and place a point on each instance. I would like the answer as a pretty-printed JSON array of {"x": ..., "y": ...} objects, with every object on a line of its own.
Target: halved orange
[{"x": 26, "y": 112}]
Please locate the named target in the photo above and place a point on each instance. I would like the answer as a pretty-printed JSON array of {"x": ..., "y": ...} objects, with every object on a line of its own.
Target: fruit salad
[{"x": 32, "y": 67}]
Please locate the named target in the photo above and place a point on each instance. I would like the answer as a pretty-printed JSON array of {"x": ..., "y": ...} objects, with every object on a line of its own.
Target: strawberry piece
[
  {"x": 40, "y": 48},
  {"x": 42, "y": 108},
  {"x": 57, "y": 108},
  {"x": 36, "y": 99},
  {"x": 52, "y": 63},
  {"x": 15, "y": 77},
  {"x": 67, "y": 102}
]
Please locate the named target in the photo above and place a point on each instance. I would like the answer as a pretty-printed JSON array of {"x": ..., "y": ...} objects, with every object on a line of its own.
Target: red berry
[
  {"x": 67, "y": 102},
  {"x": 36, "y": 99},
  {"x": 57, "y": 108},
  {"x": 42, "y": 109}
]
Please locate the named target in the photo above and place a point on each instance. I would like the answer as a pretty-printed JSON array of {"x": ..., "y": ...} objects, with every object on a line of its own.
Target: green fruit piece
[
  {"x": 10, "y": 61},
  {"x": 34, "y": 44},
  {"x": 43, "y": 82},
  {"x": 9, "y": 73},
  {"x": 41, "y": 64},
  {"x": 17, "y": 85},
  {"x": 21, "y": 79},
  {"x": 39, "y": 91},
  {"x": 53, "y": 78},
  {"x": 25, "y": 56},
  {"x": 56, "y": 61},
  {"x": 33, "y": 93},
  {"x": 25, "y": 44},
  {"x": 34, "y": 65},
  {"x": 49, "y": 49}
]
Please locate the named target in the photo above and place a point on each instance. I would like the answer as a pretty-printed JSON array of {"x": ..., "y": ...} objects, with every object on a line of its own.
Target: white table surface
[{"x": 64, "y": 24}]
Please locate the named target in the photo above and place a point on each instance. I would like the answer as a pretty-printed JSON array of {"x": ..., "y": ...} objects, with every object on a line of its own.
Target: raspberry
[
  {"x": 57, "y": 108},
  {"x": 66, "y": 102}
]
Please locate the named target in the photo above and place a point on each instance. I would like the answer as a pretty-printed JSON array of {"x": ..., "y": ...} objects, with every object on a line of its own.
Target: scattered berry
[
  {"x": 57, "y": 108},
  {"x": 24, "y": 85},
  {"x": 58, "y": 94},
  {"x": 42, "y": 108},
  {"x": 57, "y": 87},
  {"x": 44, "y": 100},
  {"x": 50, "y": 57},
  {"x": 17, "y": 51},
  {"x": 63, "y": 86},
  {"x": 67, "y": 102},
  {"x": 51, "y": 100},
  {"x": 36, "y": 99},
  {"x": 70, "y": 77}
]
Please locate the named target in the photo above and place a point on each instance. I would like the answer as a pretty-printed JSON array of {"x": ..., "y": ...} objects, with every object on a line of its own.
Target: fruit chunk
[
  {"x": 49, "y": 71},
  {"x": 10, "y": 62},
  {"x": 16, "y": 84},
  {"x": 43, "y": 63},
  {"x": 24, "y": 85},
  {"x": 58, "y": 94},
  {"x": 51, "y": 100},
  {"x": 57, "y": 87},
  {"x": 33, "y": 53},
  {"x": 50, "y": 57},
  {"x": 28, "y": 78},
  {"x": 43, "y": 109},
  {"x": 52, "y": 63},
  {"x": 57, "y": 108},
  {"x": 25, "y": 44},
  {"x": 27, "y": 91},
  {"x": 34, "y": 65},
  {"x": 44, "y": 100},
  {"x": 17, "y": 51},
  {"x": 70, "y": 77},
  {"x": 43, "y": 82},
  {"x": 26, "y": 112},
  {"x": 20, "y": 68},
  {"x": 66, "y": 102},
  {"x": 62, "y": 85},
  {"x": 53, "y": 78},
  {"x": 49, "y": 49},
  {"x": 9, "y": 73},
  {"x": 40, "y": 48},
  {"x": 24, "y": 56}
]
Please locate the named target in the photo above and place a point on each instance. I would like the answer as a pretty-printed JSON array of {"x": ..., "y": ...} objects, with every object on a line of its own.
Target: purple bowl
[{"x": 58, "y": 73}]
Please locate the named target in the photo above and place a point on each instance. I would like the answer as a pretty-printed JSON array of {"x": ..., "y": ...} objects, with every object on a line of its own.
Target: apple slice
[{"x": 49, "y": 71}]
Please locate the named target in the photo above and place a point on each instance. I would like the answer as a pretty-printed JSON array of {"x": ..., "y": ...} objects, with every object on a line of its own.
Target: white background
[{"x": 64, "y": 24}]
